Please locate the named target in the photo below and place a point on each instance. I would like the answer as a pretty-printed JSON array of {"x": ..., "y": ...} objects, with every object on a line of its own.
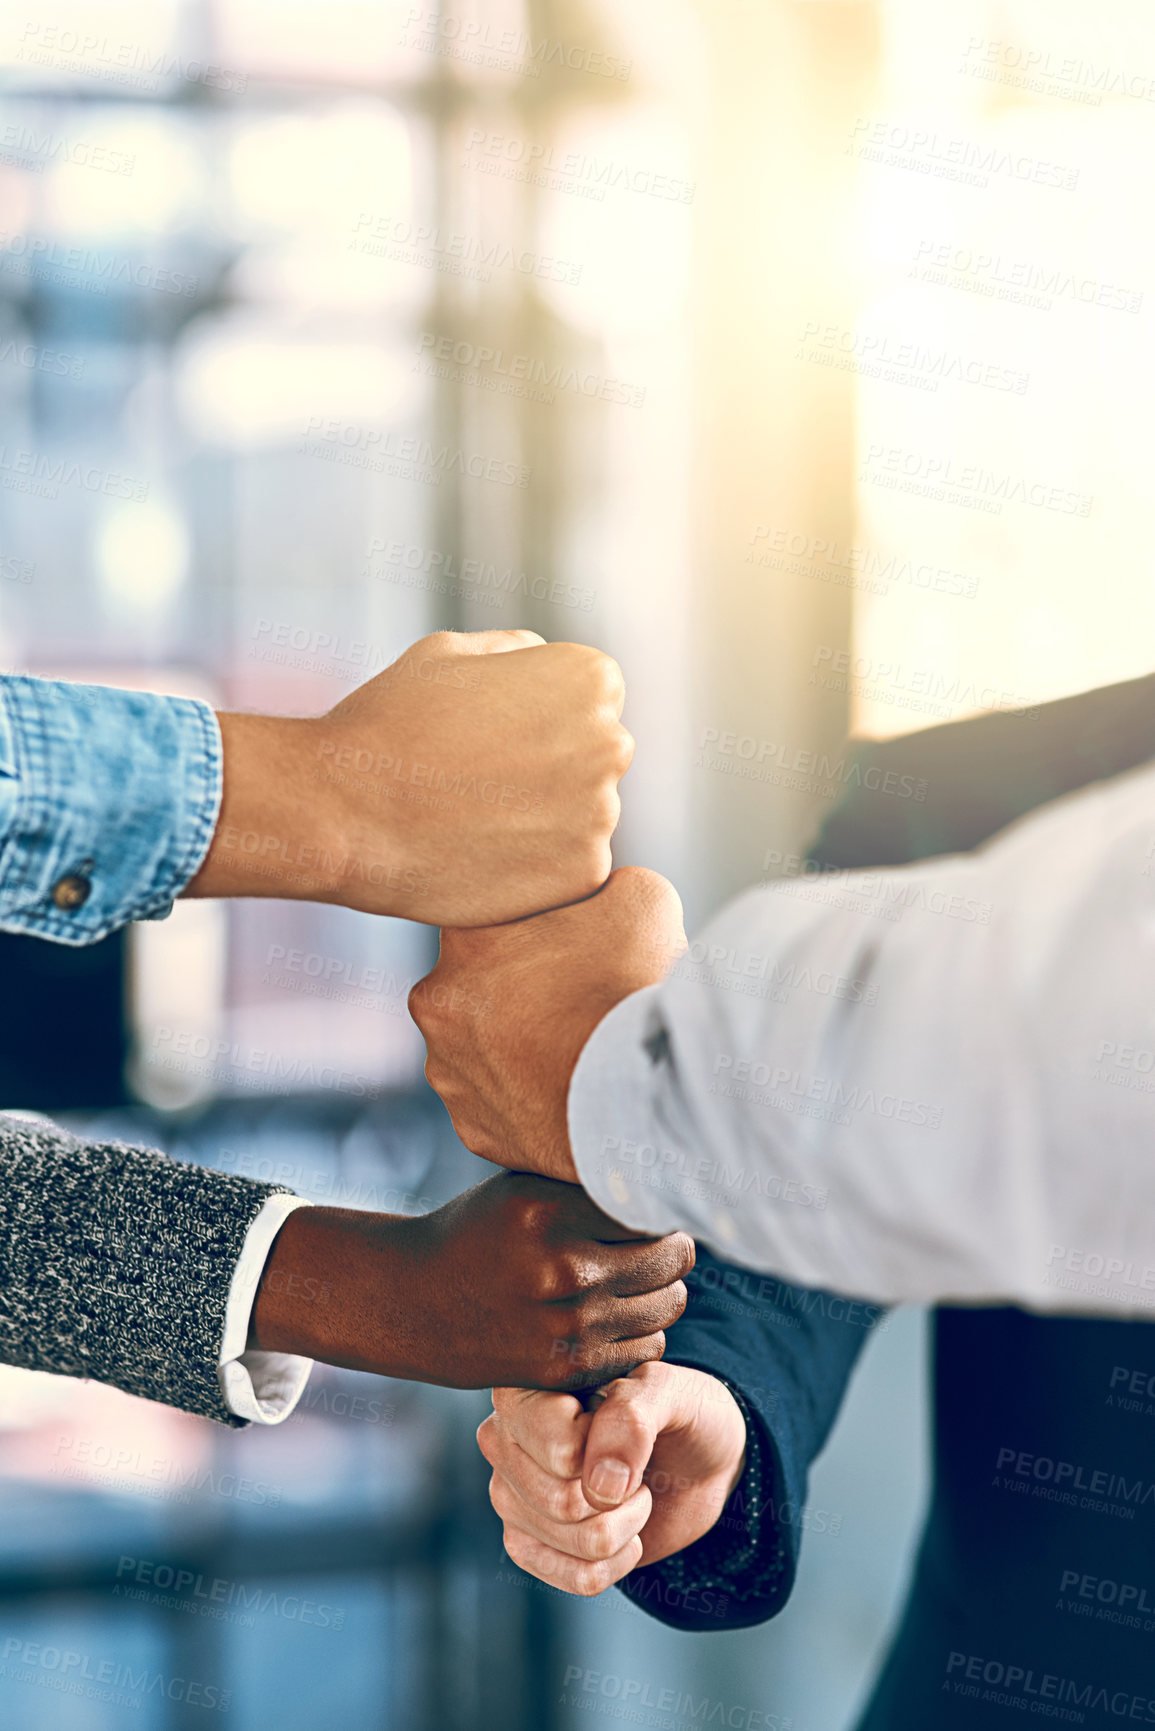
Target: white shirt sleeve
[
  {"x": 261, "y": 1386},
  {"x": 935, "y": 1083}
]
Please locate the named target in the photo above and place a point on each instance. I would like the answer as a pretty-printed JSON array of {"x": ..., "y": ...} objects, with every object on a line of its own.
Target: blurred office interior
[{"x": 715, "y": 335}]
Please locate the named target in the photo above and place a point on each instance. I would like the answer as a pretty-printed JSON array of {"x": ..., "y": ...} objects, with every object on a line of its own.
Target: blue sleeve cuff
[{"x": 108, "y": 803}]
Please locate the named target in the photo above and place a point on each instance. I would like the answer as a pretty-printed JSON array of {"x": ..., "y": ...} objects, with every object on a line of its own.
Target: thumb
[
  {"x": 621, "y": 1440},
  {"x": 492, "y": 642}
]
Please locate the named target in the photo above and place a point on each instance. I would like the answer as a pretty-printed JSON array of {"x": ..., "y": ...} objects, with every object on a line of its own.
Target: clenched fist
[
  {"x": 505, "y": 1077},
  {"x": 588, "y": 1496},
  {"x": 517, "y": 1280},
  {"x": 471, "y": 783}
]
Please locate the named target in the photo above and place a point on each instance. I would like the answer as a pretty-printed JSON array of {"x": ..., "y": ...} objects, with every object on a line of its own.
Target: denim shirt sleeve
[{"x": 120, "y": 789}]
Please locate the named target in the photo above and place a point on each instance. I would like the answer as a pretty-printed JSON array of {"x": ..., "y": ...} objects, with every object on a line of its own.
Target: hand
[
  {"x": 505, "y": 1079},
  {"x": 474, "y": 781},
  {"x": 588, "y": 1496},
  {"x": 519, "y": 1280}
]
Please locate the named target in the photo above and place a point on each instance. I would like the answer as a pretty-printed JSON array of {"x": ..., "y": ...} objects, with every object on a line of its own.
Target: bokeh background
[{"x": 797, "y": 353}]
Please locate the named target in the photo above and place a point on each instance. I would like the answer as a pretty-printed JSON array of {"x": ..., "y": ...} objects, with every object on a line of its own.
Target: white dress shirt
[
  {"x": 261, "y": 1386},
  {"x": 932, "y": 1083}
]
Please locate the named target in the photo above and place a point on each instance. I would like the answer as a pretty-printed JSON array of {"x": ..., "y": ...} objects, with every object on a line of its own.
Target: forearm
[
  {"x": 340, "y": 1285},
  {"x": 903, "y": 1112},
  {"x": 282, "y": 831},
  {"x": 118, "y": 1263},
  {"x": 260, "y": 844}
]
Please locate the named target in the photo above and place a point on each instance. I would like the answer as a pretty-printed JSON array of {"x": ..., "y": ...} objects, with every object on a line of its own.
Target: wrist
[
  {"x": 276, "y": 834},
  {"x": 331, "y": 1289}
]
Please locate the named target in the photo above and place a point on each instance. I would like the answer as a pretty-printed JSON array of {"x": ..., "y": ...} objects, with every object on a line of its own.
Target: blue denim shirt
[{"x": 117, "y": 789}]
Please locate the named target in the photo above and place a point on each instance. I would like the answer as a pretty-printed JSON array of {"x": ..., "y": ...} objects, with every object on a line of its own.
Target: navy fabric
[
  {"x": 789, "y": 1353},
  {"x": 1034, "y": 1589}
]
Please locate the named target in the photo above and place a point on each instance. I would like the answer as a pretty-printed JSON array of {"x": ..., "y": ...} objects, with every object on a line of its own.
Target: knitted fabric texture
[{"x": 115, "y": 1264}]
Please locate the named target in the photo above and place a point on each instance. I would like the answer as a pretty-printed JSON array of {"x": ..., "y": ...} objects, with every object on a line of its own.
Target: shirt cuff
[
  {"x": 108, "y": 803},
  {"x": 262, "y": 1387},
  {"x": 622, "y": 1159}
]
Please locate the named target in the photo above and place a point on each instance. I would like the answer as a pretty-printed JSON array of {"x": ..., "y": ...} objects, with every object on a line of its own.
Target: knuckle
[
  {"x": 685, "y": 1253},
  {"x": 611, "y": 679},
  {"x": 677, "y": 1297},
  {"x": 517, "y": 1547},
  {"x": 563, "y": 1459},
  {"x": 649, "y": 1350},
  {"x": 624, "y": 748},
  {"x": 557, "y": 1279},
  {"x": 565, "y": 1502},
  {"x": 420, "y": 1001},
  {"x": 590, "y": 1579},
  {"x": 607, "y": 810},
  {"x": 596, "y": 1541}
]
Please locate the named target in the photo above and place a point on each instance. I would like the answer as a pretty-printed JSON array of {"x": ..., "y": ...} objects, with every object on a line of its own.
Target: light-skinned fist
[
  {"x": 587, "y": 1496},
  {"x": 474, "y": 781}
]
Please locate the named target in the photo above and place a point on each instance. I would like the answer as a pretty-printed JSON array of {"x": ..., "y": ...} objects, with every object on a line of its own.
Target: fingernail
[{"x": 609, "y": 1481}]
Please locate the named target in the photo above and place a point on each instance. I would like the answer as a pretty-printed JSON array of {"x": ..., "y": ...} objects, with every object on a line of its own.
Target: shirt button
[{"x": 71, "y": 892}]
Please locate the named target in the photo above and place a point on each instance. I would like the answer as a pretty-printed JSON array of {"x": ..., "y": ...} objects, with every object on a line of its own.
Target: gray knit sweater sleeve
[{"x": 115, "y": 1263}]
